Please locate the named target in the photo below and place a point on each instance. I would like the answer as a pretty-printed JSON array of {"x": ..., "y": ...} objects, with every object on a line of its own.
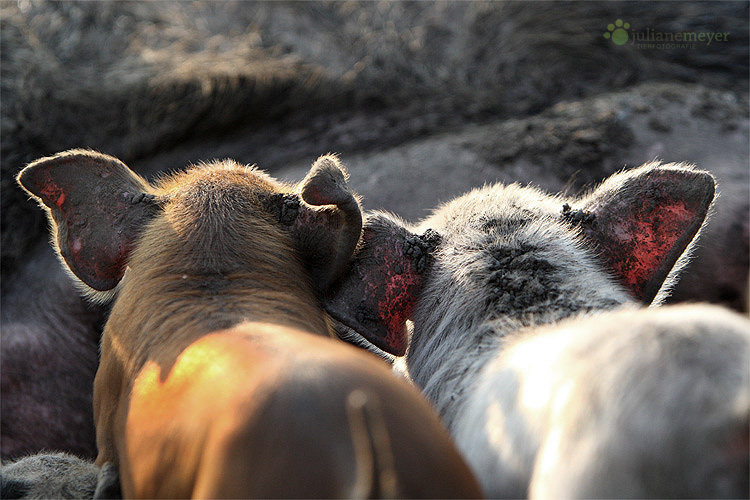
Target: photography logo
[
  {"x": 621, "y": 33},
  {"x": 617, "y": 32}
]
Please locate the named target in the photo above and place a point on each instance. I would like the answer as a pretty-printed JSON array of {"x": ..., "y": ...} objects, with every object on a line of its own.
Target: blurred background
[{"x": 422, "y": 100}]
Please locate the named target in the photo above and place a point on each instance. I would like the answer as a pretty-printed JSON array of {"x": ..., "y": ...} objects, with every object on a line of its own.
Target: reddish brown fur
[{"x": 216, "y": 379}]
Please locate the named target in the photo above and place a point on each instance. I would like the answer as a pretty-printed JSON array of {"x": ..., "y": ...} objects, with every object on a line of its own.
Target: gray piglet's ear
[
  {"x": 97, "y": 206},
  {"x": 379, "y": 291},
  {"x": 643, "y": 220}
]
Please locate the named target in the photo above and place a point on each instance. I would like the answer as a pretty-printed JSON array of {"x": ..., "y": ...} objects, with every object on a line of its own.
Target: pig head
[{"x": 639, "y": 226}]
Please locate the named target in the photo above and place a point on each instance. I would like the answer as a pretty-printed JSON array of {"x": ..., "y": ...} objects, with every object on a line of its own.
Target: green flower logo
[{"x": 617, "y": 32}]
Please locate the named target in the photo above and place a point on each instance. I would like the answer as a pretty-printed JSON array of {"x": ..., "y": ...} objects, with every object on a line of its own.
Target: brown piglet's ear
[
  {"x": 379, "y": 291},
  {"x": 96, "y": 205},
  {"x": 643, "y": 221},
  {"x": 324, "y": 218}
]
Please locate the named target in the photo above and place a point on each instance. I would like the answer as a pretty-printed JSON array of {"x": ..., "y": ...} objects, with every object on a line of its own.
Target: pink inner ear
[
  {"x": 315, "y": 196},
  {"x": 644, "y": 223},
  {"x": 380, "y": 289},
  {"x": 54, "y": 194},
  {"x": 91, "y": 199},
  {"x": 641, "y": 240},
  {"x": 397, "y": 300},
  {"x": 101, "y": 264}
]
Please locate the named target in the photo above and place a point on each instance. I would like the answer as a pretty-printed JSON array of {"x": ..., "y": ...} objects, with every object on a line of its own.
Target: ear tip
[
  {"x": 326, "y": 183},
  {"x": 687, "y": 182},
  {"x": 707, "y": 188},
  {"x": 706, "y": 181},
  {"x": 331, "y": 166},
  {"x": 700, "y": 187},
  {"x": 28, "y": 177},
  {"x": 29, "y": 180},
  {"x": 23, "y": 177}
]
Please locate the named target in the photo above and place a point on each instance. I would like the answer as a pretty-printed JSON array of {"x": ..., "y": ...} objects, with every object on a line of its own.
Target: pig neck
[
  {"x": 478, "y": 294},
  {"x": 181, "y": 292}
]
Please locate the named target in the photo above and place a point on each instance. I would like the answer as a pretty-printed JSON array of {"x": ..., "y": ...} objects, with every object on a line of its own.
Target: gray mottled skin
[
  {"x": 522, "y": 406},
  {"x": 506, "y": 260},
  {"x": 511, "y": 259}
]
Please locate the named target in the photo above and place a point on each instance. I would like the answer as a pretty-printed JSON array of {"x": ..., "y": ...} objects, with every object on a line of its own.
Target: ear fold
[
  {"x": 380, "y": 288},
  {"x": 642, "y": 221},
  {"x": 326, "y": 223},
  {"x": 96, "y": 205}
]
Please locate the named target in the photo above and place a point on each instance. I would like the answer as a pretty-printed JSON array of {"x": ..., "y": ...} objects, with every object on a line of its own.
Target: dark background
[{"x": 422, "y": 100}]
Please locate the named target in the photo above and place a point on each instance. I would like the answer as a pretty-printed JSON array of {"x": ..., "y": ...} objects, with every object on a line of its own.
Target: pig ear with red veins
[
  {"x": 380, "y": 288},
  {"x": 96, "y": 205},
  {"x": 644, "y": 220}
]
